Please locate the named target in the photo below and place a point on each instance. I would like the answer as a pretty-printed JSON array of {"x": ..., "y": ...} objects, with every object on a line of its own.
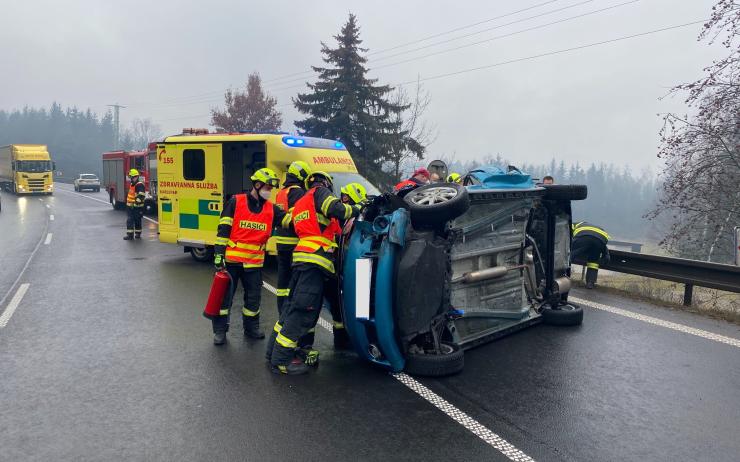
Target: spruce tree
[{"x": 345, "y": 104}]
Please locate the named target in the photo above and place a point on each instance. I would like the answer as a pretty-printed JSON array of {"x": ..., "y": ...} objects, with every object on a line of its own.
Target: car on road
[
  {"x": 87, "y": 181},
  {"x": 449, "y": 267}
]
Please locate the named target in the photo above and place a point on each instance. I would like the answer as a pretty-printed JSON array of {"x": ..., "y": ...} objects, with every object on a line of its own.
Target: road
[{"x": 106, "y": 356}]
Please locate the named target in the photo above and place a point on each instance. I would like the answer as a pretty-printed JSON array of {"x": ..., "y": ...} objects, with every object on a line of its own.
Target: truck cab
[{"x": 26, "y": 169}]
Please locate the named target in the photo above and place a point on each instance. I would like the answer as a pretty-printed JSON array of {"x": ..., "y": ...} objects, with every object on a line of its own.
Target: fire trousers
[
  {"x": 591, "y": 251},
  {"x": 251, "y": 280},
  {"x": 133, "y": 220},
  {"x": 284, "y": 273}
]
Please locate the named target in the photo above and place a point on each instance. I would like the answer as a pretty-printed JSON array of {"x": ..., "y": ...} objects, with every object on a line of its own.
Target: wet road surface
[{"x": 108, "y": 357}]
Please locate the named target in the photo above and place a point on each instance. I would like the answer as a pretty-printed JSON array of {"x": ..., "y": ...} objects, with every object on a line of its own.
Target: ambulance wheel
[
  {"x": 202, "y": 254},
  {"x": 565, "y": 192},
  {"x": 563, "y": 315},
  {"x": 433, "y": 205},
  {"x": 450, "y": 361}
]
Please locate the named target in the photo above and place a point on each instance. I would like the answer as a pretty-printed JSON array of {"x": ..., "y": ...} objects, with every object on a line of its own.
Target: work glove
[{"x": 218, "y": 262}]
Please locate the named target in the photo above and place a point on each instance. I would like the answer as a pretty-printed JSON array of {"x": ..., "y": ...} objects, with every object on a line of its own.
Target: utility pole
[{"x": 116, "y": 124}]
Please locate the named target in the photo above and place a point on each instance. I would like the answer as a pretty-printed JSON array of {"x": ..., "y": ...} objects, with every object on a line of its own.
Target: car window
[
  {"x": 89, "y": 177},
  {"x": 342, "y": 179}
]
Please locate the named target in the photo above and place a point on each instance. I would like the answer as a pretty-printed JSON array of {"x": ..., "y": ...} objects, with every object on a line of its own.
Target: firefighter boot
[
  {"x": 295, "y": 367},
  {"x": 219, "y": 338},
  {"x": 129, "y": 237},
  {"x": 341, "y": 339},
  {"x": 591, "y": 275},
  {"x": 138, "y": 235},
  {"x": 252, "y": 327}
]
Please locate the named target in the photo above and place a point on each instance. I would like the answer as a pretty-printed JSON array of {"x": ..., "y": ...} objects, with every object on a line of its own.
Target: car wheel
[
  {"x": 202, "y": 254},
  {"x": 450, "y": 361},
  {"x": 77, "y": 189},
  {"x": 435, "y": 204},
  {"x": 565, "y": 192},
  {"x": 563, "y": 315}
]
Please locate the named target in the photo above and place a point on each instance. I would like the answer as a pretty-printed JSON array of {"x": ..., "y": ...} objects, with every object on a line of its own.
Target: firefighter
[
  {"x": 454, "y": 178},
  {"x": 243, "y": 230},
  {"x": 315, "y": 220},
  {"x": 134, "y": 206},
  {"x": 420, "y": 177},
  {"x": 589, "y": 246},
  {"x": 293, "y": 189}
]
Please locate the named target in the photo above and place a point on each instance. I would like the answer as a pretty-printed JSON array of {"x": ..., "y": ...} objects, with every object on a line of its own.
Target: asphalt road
[{"x": 106, "y": 356}]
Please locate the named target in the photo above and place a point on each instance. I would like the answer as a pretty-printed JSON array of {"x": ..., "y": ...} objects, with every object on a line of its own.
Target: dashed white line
[
  {"x": 104, "y": 202},
  {"x": 51, "y": 217},
  {"x": 25, "y": 267},
  {"x": 13, "y": 305},
  {"x": 469, "y": 423},
  {"x": 660, "y": 322},
  {"x": 47, "y": 241}
]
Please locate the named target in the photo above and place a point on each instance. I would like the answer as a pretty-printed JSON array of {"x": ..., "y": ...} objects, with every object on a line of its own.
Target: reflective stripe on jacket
[
  {"x": 132, "y": 195},
  {"x": 316, "y": 234},
  {"x": 285, "y": 236},
  {"x": 249, "y": 233},
  {"x": 587, "y": 229}
]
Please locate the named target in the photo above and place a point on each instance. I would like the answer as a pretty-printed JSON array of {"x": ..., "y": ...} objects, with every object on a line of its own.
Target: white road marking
[
  {"x": 25, "y": 267},
  {"x": 104, "y": 202},
  {"x": 469, "y": 423},
  {"x": 13, "y": 305},
  {"x": 51, "y": 217},
  {"x": 48, "y": 239},
  {"x": 659, "y": 322}
]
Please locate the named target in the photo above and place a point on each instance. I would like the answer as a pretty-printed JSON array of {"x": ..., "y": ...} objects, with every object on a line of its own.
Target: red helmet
[{"x": 422, "y": 171}]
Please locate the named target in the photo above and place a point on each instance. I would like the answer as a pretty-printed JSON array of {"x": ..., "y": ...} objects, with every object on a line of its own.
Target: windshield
[
  {"x": 88, "y": 177},
  {"x": 33, "y": 166},
  {"x": 343, "y": 179}
]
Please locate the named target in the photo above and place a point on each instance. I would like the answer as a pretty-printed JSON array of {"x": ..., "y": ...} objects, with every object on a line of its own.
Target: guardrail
[
  {"x": 634, "y": 246},
  {"x": 688, "y": 272}
]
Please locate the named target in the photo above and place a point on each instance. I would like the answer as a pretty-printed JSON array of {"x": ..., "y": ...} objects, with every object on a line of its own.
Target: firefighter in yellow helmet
[
  {"x": 134, "y": 205},
  {"x": 293, "y": 189},
  {"x": 316, "y": 222},
  {"x": 589, "y": 247},
  {"x": 245, "y": 225},
  {"x": 454, "y": 178}
]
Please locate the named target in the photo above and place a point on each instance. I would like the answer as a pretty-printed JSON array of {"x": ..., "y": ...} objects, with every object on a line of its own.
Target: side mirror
[{"x": 53, "y": 165}]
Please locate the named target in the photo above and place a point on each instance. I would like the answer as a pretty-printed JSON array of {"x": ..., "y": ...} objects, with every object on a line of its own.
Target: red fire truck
[{"x": 116, "y": 165}]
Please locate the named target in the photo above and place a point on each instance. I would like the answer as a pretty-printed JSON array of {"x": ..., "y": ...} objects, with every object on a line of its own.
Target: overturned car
[{"x": 449, "y": 267}]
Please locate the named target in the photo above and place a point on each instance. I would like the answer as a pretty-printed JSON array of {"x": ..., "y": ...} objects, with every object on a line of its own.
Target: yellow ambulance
[{"x": 197, "y": 172}]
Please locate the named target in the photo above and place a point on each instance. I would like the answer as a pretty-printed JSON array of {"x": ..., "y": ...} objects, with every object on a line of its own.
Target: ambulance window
[{"x": 194, "y": 164}]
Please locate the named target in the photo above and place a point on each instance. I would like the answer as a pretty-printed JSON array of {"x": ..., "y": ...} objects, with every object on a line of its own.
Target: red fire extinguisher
[{"x": 221, "y": 284}]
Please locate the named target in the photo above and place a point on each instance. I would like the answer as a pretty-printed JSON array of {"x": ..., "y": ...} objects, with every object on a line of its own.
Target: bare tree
[
  {"x": 702, "y": 151},
  {"x": 252, "y": 110},
  {"x": 140, "y": 134},
  {"x": 415, "y": 134}
]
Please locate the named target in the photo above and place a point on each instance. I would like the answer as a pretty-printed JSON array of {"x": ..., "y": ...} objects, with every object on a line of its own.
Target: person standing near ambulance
[
  {"x": 244, "y": 228},
  {"x": 134, "y": 205},
  {"x": 315, "y": 220},
  {"x": 294, "y": 188}
]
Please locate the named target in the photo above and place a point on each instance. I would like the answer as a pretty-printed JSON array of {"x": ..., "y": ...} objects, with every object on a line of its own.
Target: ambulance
[{"x": 199, "y": 171}]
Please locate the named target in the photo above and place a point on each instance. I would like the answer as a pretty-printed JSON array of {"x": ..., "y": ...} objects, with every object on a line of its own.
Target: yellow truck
[
  {"x": 26, "y": 169},
  {"x": 199, "y": 171}
]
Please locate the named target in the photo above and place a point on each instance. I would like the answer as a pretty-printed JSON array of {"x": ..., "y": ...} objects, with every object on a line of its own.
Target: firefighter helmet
[
  {"x": 266, "y": 176},
  {"x": 133, "y": 172},
  {"x": 454, "y": 178},
  {"x": 317, "y": 176},
  {"x": 299, "y": 169},
  {"x": 356, "y": 192}
]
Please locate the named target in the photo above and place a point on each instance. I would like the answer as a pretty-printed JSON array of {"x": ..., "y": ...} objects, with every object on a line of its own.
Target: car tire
[
  {"x": 433, "y": 205},
  {"x": 565, "y": 192},
  {"x": 202, "y": 254},
  {"x": 564, "y": 315},
  {"x": 114, "y": 202},
  {"x": 77, "y": 189},
  {"x": 450, "y": 362}
]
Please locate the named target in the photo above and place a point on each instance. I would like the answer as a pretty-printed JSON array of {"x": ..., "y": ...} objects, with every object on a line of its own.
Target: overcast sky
[{"x": 170, "y": 60}]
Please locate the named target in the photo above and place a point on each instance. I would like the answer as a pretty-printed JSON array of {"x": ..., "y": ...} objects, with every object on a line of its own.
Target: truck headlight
[{"x": 49, "y": 187}]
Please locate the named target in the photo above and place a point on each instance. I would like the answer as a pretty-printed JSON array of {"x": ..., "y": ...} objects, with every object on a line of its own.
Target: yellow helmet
[
  {"x": 267, "y": 176},
  {"x": 454, "y": 178},
  {"x": 356, "y": 192},
  {"x": 317, "y": 176},
  {"x": 133, "y": 172},
  {"x": 300, "y": 169}
]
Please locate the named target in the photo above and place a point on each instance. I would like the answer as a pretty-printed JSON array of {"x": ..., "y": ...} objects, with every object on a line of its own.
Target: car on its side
[{"x": 88, "y": 181}]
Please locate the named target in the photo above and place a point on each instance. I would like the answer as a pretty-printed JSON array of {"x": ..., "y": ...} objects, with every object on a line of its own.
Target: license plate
[{"x": 363, "y": 279}]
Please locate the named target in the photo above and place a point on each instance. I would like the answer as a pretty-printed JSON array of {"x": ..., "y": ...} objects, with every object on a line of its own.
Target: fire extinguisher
[{"x": 221, "y": 284}]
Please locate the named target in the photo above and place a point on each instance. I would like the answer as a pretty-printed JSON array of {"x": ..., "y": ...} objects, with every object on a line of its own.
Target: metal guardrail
[
  {"x": 634, "y": 246},
  {"x": 689, "y": 272}
]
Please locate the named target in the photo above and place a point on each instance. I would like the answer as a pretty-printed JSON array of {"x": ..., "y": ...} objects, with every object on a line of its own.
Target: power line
[
  {"x": 541, "y": 26},
  {"x": 550, "y": 53}
]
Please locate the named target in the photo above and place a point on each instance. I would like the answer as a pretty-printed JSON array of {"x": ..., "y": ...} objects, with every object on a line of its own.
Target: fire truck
[{"x": 116, "y": 165}]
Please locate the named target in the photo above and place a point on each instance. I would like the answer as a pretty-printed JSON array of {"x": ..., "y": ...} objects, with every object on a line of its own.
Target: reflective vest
[
  {"x": 131, "y": 197},
  {"x": 316, "y": 234},
  {"x": 285, "y": 236},
  {"x": 249, "y": 233},
  {"x": 587, "y": 229},
  {"x": 404, "y": 184}
]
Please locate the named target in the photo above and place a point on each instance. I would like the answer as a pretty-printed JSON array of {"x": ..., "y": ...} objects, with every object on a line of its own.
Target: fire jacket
[
  {"x": 293, "y": 190},
  {"x": 136, "y": 195}
]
